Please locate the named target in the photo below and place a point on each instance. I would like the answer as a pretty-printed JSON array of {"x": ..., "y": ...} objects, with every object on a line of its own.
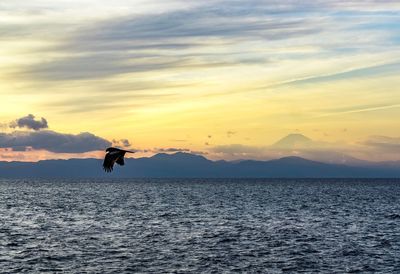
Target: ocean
[{"x": 198, "y": 226}]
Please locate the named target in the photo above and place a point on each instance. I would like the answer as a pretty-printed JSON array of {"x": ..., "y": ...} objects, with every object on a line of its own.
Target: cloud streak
[
  {"x": 371, "y": 71},
  {"x": 359, "y": 109},
  {"x": 384, "y": 144},
  {"x": 175, "y": 39}
]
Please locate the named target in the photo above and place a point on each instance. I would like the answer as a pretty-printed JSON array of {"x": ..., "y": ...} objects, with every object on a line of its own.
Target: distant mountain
[
  {"x": 185, "y": 165},
  {"x": 293, "y": 141}
]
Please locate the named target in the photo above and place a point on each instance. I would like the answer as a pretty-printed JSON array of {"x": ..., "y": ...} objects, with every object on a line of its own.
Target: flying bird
[{"x": 114, "y": 155}]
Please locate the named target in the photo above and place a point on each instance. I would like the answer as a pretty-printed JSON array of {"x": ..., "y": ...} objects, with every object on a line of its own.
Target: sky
[{"x": 224, "y": 79}]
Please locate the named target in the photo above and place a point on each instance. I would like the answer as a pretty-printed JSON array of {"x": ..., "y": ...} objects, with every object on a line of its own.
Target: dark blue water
[{"x": 273, "y": 226}]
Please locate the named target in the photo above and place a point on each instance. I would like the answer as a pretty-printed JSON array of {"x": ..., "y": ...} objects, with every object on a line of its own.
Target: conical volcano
[{"x": 293, "y": 141}]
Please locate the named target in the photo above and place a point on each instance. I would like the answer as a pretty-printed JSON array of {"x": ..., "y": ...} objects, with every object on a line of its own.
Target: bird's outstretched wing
[
  {"x": 108, "y": 163},
  {"x": 120, "y": 160}
]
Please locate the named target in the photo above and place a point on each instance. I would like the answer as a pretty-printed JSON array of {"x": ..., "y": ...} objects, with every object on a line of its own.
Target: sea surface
[{"x": 199, "y": 226}]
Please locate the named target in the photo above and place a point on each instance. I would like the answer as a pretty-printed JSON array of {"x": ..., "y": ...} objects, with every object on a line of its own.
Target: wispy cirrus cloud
[
  {"x": 182, "y": 40},
  {"x": 160, "y": 38},
  {"x": 358, "y": 109},
  {"x": 369, "y": 71}
]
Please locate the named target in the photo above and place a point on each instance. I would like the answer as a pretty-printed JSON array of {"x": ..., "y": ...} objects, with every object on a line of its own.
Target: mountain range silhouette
[{"x": 186, "y": 165}]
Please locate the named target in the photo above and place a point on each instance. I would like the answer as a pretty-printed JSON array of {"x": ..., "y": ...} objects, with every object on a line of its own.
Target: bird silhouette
[{"x": 114, "y": 155}]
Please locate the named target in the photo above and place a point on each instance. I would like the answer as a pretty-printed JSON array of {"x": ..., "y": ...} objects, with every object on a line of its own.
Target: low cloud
[
  {"x": 384, "y": 143},
  {"x": 291, "y": 145},
  {"x": 237, "y": 150},
  {"x": 4, "y": 126},
  {"x": 122, "y": 143},
  {"x": 230, "y": 133},
  {"x": 244, "y": 152},
  {"x": 29, "y": 122},
  {"x": 172, "y": 149},
  {"x": 125, "y": 142},
  {"x": 39, "y": 155},
  {"x": 52, "y": 141}
]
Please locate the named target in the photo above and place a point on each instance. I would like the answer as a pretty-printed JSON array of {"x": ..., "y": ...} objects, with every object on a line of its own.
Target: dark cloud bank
[{"x": 53, "y": 141}]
